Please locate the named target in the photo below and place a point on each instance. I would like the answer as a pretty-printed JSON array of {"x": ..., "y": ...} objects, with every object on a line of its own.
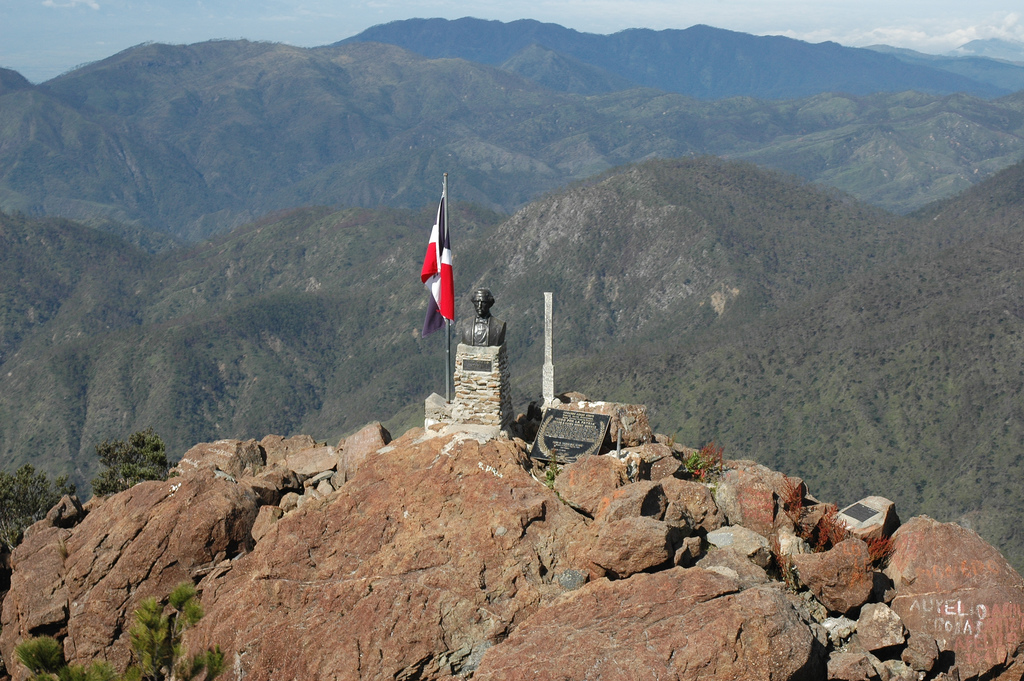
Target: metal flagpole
[{"x": 448, "y": 322}]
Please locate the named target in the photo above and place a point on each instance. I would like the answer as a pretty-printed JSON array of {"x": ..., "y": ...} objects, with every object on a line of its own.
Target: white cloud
[
  {"x": 71, "y": 3},
  {"x": 934, "y": 36}
]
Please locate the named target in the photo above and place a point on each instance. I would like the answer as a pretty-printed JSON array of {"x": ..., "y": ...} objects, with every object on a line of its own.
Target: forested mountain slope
[{"x": 192, "y": 140}]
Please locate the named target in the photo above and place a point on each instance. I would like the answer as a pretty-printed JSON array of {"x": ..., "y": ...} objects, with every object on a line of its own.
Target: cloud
[
  {"x": 935, "y": 37},
  {"x": 92, "y": 4}
]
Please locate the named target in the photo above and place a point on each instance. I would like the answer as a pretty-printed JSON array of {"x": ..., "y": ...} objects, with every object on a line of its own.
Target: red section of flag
[{"x": 437, "y": 275}]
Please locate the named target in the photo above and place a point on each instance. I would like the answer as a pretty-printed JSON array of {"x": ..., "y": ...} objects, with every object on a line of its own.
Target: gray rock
[
  {"x": 737, "y": 561},
  {"x": 570, "y": 580},
  {"x": 746, "y": 542},
  {"x": 879, "y": 627},
  {"x": 839, "y": 629}
]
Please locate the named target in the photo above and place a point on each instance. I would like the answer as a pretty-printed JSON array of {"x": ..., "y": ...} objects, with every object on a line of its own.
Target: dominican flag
[{"x": 437, "y": 275}]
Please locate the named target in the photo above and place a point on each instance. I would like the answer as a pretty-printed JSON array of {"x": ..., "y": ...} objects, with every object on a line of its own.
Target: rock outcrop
[{"x": 441, "y": 555}]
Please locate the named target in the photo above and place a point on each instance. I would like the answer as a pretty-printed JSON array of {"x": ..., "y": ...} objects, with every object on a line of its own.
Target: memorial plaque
[
  {"x": 481, "y": 365},
  {"x": 568, "y": 435},
  {"x": 860, "y": 512}
]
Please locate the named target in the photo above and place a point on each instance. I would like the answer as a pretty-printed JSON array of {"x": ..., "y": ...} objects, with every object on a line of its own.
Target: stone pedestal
[{"x": 482, "y": 392}]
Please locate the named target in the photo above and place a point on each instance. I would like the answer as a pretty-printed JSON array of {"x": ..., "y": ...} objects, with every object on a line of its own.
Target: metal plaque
[
  {"x": 480, "y": 365},
  {"x": 860, "y": 512},
  {"x": 568, "y": 435}
]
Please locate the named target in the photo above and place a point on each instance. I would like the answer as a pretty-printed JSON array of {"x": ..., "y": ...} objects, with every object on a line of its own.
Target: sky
[{"x": 44, "y": 38}]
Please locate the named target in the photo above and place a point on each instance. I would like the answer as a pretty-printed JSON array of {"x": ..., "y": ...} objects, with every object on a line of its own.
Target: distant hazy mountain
[
  {"x": 191, "y": 140},
  {"x": 700, "y": 61},
  {"x": 1001, "y": 74},
  {"x": 1010, "y": 50},
  {"x": 565, "y": 74}
]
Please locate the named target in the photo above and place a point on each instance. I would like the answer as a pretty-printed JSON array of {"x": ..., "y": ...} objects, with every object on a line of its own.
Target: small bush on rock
[
  {"x": 706, "y": 465},
  {"x": 156, "y": 640},
  {"x": 141, "y": 457},
  {"x": 156, "y": 648},
  {"x": 44, "y": 657},
  {"x": 25, "y": 497}
]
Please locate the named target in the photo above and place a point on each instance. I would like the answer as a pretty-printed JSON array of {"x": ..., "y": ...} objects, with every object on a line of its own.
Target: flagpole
[{"x": 448, "y": 322}]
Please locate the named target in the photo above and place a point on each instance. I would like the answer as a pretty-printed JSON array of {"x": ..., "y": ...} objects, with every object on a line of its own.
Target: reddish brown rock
[
  {"x": 625, "y": 547},
  {"x": 278, "y": 448},
  {"x": 38, "y": 599},
  {"x": 432, "y": 553},
  {"x": 666, "y": 468},
  {"x": 361, "y": 445},
  {"x": 674, "y": 624},
  {"x": 691, "y": 504},
  {"x": 879, "y": 627},
  {"x": 746, "y": 542},
  {"x": 954, "y": 587},
  {"x": 585, "y": 482},
  {"x": 234, "y": 457},
  {"x": 141, "y": 542},
  {"x": 841, "y": 578},
  {"x": 747, "y": 500},
  {"x": 265, "y": 519},
  {"x": 653, "y": 461},
  {"x": 270, "y": 485},
  {"x": 66, "y": 513},
  {"x": 643, "y": 498},
  {"x": 307, "y": 462},
  {"x": 921, "y": 652},
  {"x": 852, "y": 666}
]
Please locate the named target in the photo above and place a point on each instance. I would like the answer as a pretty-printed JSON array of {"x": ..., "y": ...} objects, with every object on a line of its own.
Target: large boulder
[
  {"x": 309, "y": 462},
  {"x": 86, "y": 581},
  {"x": 675, "y": 624},
  {"x": 954, "y": 587},
  {"x": 587, "y": 481},
  {"x": 235, "y": 457},
  {"x": 691, "y": 504},
  {"x": 431, "y": 554},
  {"x": 278, "y": 447},
  {"x": 357, "y": 447},
  {"x": 841, "y": 578},
  {"x": 644, "y": 498},
  {"x": 633, "y": 544}
]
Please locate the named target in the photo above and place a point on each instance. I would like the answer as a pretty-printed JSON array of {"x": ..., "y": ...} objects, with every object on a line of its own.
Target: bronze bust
[{"x": 484, "y": 330}]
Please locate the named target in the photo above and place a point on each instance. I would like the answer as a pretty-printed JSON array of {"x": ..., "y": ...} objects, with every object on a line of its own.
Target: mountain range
[
  {"x": 187, "y": 141},
  {"x": 252, "y": 217},
  {"x": 700, "y": 61},
  {"x": 869, "y": 353}
]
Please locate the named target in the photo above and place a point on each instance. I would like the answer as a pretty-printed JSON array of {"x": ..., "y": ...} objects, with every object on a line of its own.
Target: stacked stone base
[{"x": 482, "y": 393}]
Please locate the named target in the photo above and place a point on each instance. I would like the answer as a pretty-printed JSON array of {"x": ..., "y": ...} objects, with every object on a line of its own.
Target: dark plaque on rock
[
  {"x": 568, "y": 435},
  {"x": 482, "y": 365},
  {"x": 860, "y": 512}
]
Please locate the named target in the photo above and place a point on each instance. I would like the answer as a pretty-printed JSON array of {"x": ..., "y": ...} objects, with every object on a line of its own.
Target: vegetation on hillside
[
  {"x": 793, "y": 325},
  {"x": 128, "y": 462},
  {"x": 192, "y": 140},
  {"x": 25, "y": 497}
]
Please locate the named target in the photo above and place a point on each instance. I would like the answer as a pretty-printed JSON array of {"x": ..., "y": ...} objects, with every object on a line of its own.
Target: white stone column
[{"x": 548, "y": 373}]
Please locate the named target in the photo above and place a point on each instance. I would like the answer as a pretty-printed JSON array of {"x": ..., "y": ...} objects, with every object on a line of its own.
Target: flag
[{"x": 437, "y": 275}]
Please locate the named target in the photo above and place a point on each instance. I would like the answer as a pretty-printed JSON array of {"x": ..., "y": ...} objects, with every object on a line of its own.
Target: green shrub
[
  {"x": 142, "y": 457},
  {"x": 25, "y": 497},
  {"x": 157, "y": 652}
]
